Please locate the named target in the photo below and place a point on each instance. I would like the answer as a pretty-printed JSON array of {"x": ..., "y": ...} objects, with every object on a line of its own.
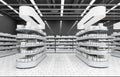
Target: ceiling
[{"x": 72, "y": 9}]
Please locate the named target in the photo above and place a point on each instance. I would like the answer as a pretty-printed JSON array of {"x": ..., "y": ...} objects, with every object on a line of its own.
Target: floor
[{"x": 59, "y": 65}]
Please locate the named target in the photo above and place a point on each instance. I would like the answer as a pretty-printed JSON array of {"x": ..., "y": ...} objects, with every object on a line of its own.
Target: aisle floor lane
[{"x": 59, "y": 65}]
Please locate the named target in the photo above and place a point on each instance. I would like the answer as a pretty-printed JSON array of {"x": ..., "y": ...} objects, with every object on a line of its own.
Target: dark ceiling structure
[{"x": 72, "y": 9}]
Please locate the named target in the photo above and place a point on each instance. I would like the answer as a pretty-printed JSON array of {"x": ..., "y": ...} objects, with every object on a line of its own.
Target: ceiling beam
[
  {"x": 81, "y": 3},
  {"x": 8, "y": 15},
  {"x": 76, "y": 18},
  {"x": 60, "y": 4},
  {"x": 22, "y": 1},
  {"x": 53, "y": 1},
  {"x": 110, "y": 1},
  {"x": 10, "y": 7},
  {"x": 48, "y": 2},
  {"x": 113, "y": 7},
  {"x": 75, "y": 2},
  {"x": 44, "y": 9},
  {"x": 36, "y": 7},
  {"x": 66, "y": 13}
]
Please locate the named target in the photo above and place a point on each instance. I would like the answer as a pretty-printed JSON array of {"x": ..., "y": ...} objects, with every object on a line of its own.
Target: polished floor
[{"x": 62, "y": 64}]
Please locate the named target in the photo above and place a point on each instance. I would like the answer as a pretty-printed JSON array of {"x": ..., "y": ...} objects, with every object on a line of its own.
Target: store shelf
[
  {"x": 115, "y": 53},
  {"x": 6, "y": 48},
  {"x": 50, "y": 43},
  {"x": 116, "y": 43},
  {"x": 116, "y": 48},
  {"x": 64, "y": 44},
  {"x": 89, "y": 38},
  {"x": 34, "y": 45},
  {"x": 33, "y": 53},
  {"x": 93, "y": 43},
  {"x": 65, "y": 41},
  {"x": 7, "y": 35},
  {"x": 30, "y": 64},
  {"x": 31, "y": 31},
  {"x": 8, "y": 52},
  {"x": 9, "y": 40},
  {"x": 65, "y": 37},
  {"x": 88, "y": 31},
  {"x": 115, "y": 34},
  {"x": 92, "y": 52},
  {"x": 105, "y": 40},
  {"x": 92, "y": 63},
  {"x": 41, "y": 38},
  {"x": 90, "y": 45},
  {"x": 50, "y": 40},
  {"x": 7, "y": 44}
]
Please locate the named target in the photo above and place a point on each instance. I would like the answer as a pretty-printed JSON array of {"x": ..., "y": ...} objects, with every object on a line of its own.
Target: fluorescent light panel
[
  {"x": 62, "y": 7},
  {"x": 9, "y": 6},
  {"x": 88, "y": 7},
  {"x": 35, "y": 6},
  {"x": 113, "y": 7}
]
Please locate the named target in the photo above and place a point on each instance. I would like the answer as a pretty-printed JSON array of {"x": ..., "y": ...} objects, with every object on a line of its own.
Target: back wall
[{"x": 7, "y": 24}]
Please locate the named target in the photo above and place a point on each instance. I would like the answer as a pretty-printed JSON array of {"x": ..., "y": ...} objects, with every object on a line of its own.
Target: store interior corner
[{"x": 59, "y": 38}]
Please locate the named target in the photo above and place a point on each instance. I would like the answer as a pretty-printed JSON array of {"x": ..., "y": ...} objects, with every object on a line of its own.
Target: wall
[
  {"x": 66, "y": 25},
  {"x": 7, "y": 24}
]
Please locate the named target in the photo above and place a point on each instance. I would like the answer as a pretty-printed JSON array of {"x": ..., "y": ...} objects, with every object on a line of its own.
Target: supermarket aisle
[{"x": 58, "y": 65}]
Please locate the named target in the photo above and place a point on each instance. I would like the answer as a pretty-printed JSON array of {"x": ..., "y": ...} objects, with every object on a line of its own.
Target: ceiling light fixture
[
  {"x": 88, "y": 7},
  {"x": 36, "y": 7},
  {"x": 62, "y": 7},
  {"x": 113, "y": 7},
  {"x": 9, "y": 6}
]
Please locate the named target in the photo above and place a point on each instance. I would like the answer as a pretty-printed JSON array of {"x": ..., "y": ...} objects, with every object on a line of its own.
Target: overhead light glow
[
  {"x": 60, "y": 26},
  {"x": 1, "y": 15},
  {"x": 49, "y": 26},
  {"x": 62, "y": 7},
  {"x": 9, "y": 6},
  {"x": 88, "y": 7},
  {"x": 73, "y": 26},
  {"x": 36, "y": 7}
]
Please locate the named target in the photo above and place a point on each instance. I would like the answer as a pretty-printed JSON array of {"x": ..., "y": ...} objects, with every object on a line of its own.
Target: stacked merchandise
[
  {"x": 116, "y": 40},
  {"x": 32, "y": 47},
  {"x": 116, "y": 44},
  {"x": 93, "y": 46},
  {"x": 50, "y": 44},
  {"x": 65, "y": 43},
  {"x": 7, "y": 44}
]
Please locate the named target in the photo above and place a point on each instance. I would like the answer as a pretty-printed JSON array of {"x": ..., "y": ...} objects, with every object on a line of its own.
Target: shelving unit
[
  {"x": 65, "y": 43},
  {"x": 93, "y": 47},
  {"x": 8, "y": 44},
  {"x": 32, "y": 47},
  {"x": 116, "y": 43},
  {"x": 51, "y": 44},
  {"x": 61, "y": 43}
]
